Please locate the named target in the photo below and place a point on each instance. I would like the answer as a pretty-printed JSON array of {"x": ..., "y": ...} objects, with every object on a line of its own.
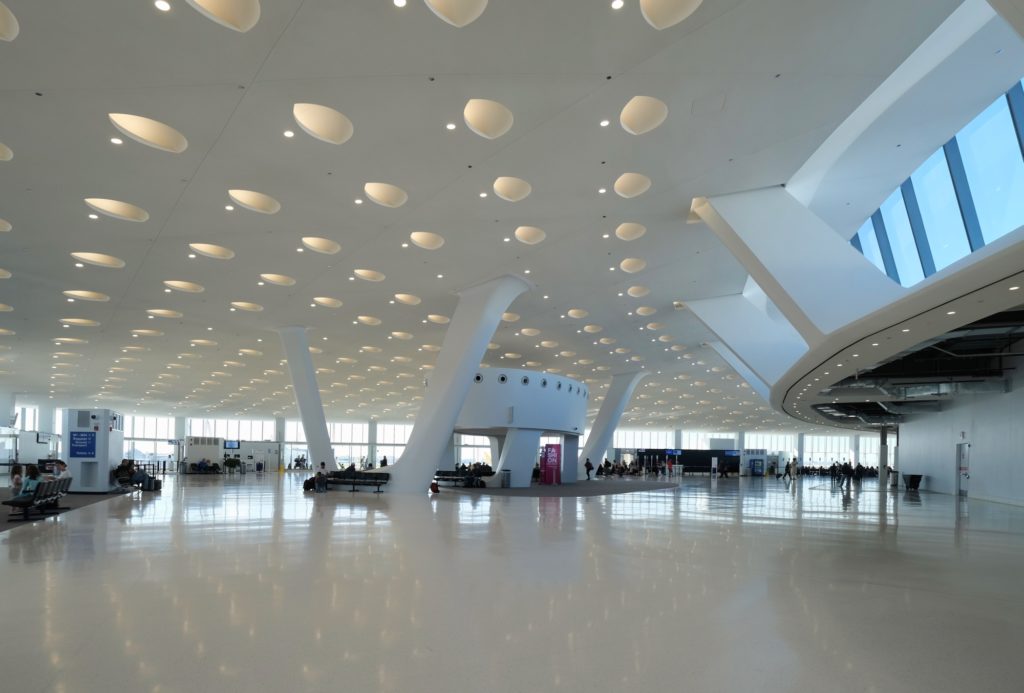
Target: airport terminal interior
[{"x": 589, "y": 345}]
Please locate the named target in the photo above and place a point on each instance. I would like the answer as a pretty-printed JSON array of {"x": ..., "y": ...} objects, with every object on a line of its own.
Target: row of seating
[
  {"x": 45, "y": 499},
  {"x": 355, "y": 478}
]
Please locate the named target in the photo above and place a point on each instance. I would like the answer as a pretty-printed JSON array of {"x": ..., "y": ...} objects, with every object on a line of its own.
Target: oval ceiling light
[
  {"x": 321, "y": 245},
  {"x": 511, "y": 189},
  {"x": 247, "y": 306},
  {"x": 370, "y": 350},
  {"x": 278, "y": 279},
  {"x": 577, "y": 313},
  {"x": 678, "y": 347},
  {"x": 163, "y": 313},
  {"x": 529, "y": 331},
  {"x": 510, "y": 317},
  {"x": 99, "y": 260},
  {"x": 5, "y": 274},
  {"x": 630, "y": 185},
  {"x": 386, "y": 195},
  {"x": 369, "y": 275},
  {"x": 148, "y": 332},
  {"x": 405, "y": 336},
  {"x": 633, "y": 265},
  {"x": 549, "y": 344},
  {"x": 217, "y": 252},
  {"x": 323, "y": 122},
  {"x": 492, "y": 346},
  {"x": 125, "y": 211},
  {"x": 642, "y": 114},
  {"x": 655, "y": 325},
  {"x": 5, "y": 152},
  {"x": 240, "y": 15},
  {"x": 86, "y": 295},
  {"x": 4, "y": 308},
  {"x": 9, "y": 24},
  {"x": 149, "y": 132},
  {"x": 431, "y": 347},
  {"x": 487, "y": 118},
  {"x": 5, "y": 226},
  {"x": 630, "y": 231},
  {"x": 327, "y": 302},
  {"x": 187, "y": 287},
  {"x": 250, "y": 352},
  {"x": 530, "y": 235},
  {"x": 607, "y": 340},
  {"x": 646, "y": 310},
  {"x": 368, "y": 320},
  {"x": 458, "y": 13},
  {"x": 255, "y": 201},
  {"x": 426, "y": 240},
  {"x": 438, "y": 319},
  {"x": 623, "y": 350},
  {"x": 408, "y": 299},
  {"x": 592, "y": 329},
  {"x": 666, "y": 338},
  {"x": 661, "y": 14},
  {"x": 203, "y": 342},
  {"x": 638, "y": 291}
]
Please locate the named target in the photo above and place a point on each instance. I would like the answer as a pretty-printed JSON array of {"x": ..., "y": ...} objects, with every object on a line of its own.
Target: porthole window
[
  {"x": 543, "y": 382},
  {"x": 502, "y": 378},
  {"x": 525, "y": 380},
  {"x": 478, "y": 378},
  {"x": 558, "y": 386},
  {"x": 570, "y": 389}
]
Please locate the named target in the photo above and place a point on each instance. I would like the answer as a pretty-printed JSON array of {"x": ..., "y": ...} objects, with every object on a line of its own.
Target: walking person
[
  {"x": 788, "y": 473},
  {"x": 589, "y": 467}
]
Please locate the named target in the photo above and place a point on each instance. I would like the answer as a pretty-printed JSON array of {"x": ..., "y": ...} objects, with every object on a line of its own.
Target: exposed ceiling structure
[{"x": 179, "y": 187}]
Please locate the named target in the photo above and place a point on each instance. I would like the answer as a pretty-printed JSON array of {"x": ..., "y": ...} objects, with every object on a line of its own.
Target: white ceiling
[{"x": 752, "y": 89}]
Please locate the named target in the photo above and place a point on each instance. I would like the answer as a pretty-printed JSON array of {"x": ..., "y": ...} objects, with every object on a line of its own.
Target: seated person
[
  {"x": 320, "y": 483},
  {"x": 31, "y": 480},
  {"x": 203, "y": 465},
  {"x": 16, "y": 480},
  {"x": 122, "y": 471}
]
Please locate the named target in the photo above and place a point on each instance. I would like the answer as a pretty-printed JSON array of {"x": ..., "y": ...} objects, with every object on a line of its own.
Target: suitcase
[{"x": 148, "y": 484}]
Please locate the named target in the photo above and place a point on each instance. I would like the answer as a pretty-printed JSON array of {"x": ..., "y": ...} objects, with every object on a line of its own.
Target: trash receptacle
[{"x": 506, "y": 478}]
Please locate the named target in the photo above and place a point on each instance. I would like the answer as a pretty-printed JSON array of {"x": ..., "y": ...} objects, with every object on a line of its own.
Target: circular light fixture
[
  {"x": 630, "y": 185},
  {"x": 408, "y": 299},
  {"x": 183, "y": 286},
  {"x": 239, "y": 15},
  {"x": 124, "y": 211},
  {"x": 99, "y": 260},
  {"x": 217, "y": 252},
  {"x": 633, "y": 265},
  {"x": 489, "y": 119},
  {"x": 255, "y": 201},
  {"x": 458, "y": 13},
  {"x": 149, "y": 132},
  {"x": 385, "y": 194},
  {"x": 327, "y": 301},
  {"x": 369, "y": 275},
  {"x": 162, "y": 5},
  {"x": 426, "y": 240},
  {"x": 643, "y": 114},
  {"x": 323, "y": 122}
]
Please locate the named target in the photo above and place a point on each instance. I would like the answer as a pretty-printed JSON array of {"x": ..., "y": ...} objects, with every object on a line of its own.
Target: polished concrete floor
[{"x": 245, "y": 584}]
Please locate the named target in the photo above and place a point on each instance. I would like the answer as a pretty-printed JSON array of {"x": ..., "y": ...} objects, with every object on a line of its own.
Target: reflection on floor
[{"x": 245, "y": 583}]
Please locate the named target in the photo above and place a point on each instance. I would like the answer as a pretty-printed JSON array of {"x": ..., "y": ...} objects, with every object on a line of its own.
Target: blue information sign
[{"x": 82, "y": 444}]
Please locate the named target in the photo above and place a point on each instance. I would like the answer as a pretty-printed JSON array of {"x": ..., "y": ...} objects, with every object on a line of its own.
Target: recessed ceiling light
[
  {"x": 358, "y": 201},
  {"x": 116, "y": 140},
  {"x": 229, "y": 208},
  {"x": 191, "y": 256},
  {"x": 162, "y": 5},
  {"x": 289, "y": 133},
  {"x": 440, "y": 276},
  {"x": 906, "y": 329},
  {"x": 450, "y": 126},
  {"x": 94, "y": 216},
  {"x": 1014, "y": 288},
  {"x": 506, "y": 240},
  {"x": 602, "y": 190},
  {"x": 483, "y": 194},
  {"x": 399, "y": 3},
  {"x": 605, "y": 123},
  {"x": 950, "y": 312}
]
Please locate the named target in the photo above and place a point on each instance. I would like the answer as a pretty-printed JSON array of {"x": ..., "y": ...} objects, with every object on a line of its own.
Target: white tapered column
[
  {"x": 570, "y": 458},
  {"x": 519, "y": 455},
  {"x": 607, "y": 419},
  {"x": 475, "y": 319},
  {"x": 307, "y": 395}
]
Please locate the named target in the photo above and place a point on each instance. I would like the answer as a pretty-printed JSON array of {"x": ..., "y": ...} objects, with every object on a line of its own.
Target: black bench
[
  {"x": 452, "y": 476},
  {"x": 45, "y": 499},
  {"x": 355, "y": 478}
]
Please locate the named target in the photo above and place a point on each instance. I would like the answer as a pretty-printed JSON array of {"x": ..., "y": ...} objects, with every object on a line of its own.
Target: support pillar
[
  {"x": 800, "y": 449},
  {"x": 476, "y": 317},
  {"x": 570, "y": 458},
  {"x": 497, "y": 443},
  {"x": 447, "y": 460},
  {"x": 371, "y": 443},
  {"x": 45, "y": 417},
  {"x": 615, "y": 400},
  {"x": 883, "y": 460},
  {"x": 519, "y": 454},
  {"x": 307, "y": 394},
  {"x": 6, "y": 408}
]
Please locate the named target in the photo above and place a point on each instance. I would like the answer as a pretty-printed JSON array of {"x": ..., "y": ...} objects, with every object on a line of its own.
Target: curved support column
[
  {"x": 519, "y": 454},
  {"x": 307, "y": 394},
  {"x": 475, "y": 319},
  {"x": 615, "y": 401}
]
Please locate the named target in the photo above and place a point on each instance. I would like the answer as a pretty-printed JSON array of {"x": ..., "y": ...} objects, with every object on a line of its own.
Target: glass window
[
  {"x": 940, "y": 211},
  {"x": 901, "y": 239},
  {"x": 869, "y": 245},
  {"x": 995, "y": 170}
]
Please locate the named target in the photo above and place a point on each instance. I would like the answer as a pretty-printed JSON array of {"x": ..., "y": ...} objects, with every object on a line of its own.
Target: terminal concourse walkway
[{"x": 244, "y": 583}]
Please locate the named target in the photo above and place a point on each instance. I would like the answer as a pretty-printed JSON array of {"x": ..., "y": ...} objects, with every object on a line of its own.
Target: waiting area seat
[
  {"x": 45, "y": 499},
  {"x": 353, "y": 478}
]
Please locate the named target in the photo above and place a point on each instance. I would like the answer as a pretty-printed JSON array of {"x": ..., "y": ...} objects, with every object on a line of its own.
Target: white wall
[{"x": 992, "y": 424}]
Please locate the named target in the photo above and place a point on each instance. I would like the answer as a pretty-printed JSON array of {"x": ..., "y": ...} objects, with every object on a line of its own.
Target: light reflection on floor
[{"x": 245, "y": 583}]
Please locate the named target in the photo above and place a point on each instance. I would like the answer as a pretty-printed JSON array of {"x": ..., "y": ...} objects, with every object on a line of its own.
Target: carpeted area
[
  {"x": 72, "y": 501},
  {"x": 597, "y": 487}
]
